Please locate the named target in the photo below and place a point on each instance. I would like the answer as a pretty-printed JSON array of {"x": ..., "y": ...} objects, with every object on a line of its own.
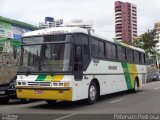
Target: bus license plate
[
  {"x": 38, "y": 91},
  {"x": 2, "y": 92}
]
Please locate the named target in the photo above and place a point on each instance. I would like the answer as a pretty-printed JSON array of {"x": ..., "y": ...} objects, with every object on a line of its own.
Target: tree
[{"x": 147, "y": 42}]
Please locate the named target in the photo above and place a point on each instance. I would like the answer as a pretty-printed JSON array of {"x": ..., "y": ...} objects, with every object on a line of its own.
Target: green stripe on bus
[
  {"x": 127, "y": 75},
  {"x": 41, "y": 77}
]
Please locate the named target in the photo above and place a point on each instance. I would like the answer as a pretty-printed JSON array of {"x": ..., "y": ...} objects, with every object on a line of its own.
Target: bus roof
[{"x": 70, "y": 30}]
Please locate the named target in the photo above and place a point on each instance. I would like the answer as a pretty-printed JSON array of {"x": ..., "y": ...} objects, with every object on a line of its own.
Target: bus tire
[
  {"x": 51, "y": 102},
  {"x": 4, "y": 101},
  {"x": 135, "y": 89},
  {"x": 92, "y": 93}
]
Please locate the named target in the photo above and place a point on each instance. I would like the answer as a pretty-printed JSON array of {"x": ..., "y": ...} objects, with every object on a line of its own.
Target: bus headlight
[
  {"x": 23, "y": 83},
  {"x": 19, "y": 83},
  {"x": 60, "y": 84}
]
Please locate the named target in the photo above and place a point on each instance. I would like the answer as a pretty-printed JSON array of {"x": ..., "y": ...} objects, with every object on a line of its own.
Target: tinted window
[
  {"x": 94, "y": 47},
  {"x": 81, "y": 38},
  {"x": 136, "y": 57},
  {"x": 110, "y": 51},
  {"x": 101, "y": 49},
  {"x": 54, "y": 38},
  {"x": 33, "y": 40},
  {"x": 97, "y": 48},
  {"x": 121, "y": 53},
  {"x": 129, "y": 54},
  {"x": 114, "y": 52}
]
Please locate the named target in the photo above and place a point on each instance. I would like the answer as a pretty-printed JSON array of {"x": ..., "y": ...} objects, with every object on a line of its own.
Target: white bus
[{"x": 72, "y": 63}]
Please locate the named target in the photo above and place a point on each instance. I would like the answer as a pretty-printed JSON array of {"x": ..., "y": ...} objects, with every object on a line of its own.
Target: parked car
[
  {"x": 8, "y": 91},
  {"x": 153, "y": 77}
]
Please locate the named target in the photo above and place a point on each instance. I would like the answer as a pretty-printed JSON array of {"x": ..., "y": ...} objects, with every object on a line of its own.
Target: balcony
[
  {"x": 118, "y": 13},
  {"x": 134, "y": 8},
  {"x": 118, "y": 23},
  {"x": 118, "y": 19},
  {"x": 118, "y": 33},
  {"x": 134, "y": 17},
  {"x": 118, "y": 26},
  {"x": 118, "y": 30},
  {"x": 134, "y": 11},
  {"x": 134, "y": 24},
  {"x": 118, "y": 16},
  {"x": 134, "y": 14},
  {"x": 118, "y": 37},
  {"x": 117, "y": 9}
]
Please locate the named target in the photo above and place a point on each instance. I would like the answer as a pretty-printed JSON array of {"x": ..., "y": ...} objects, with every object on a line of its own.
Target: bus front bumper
[{"x": 44, "y": 93}]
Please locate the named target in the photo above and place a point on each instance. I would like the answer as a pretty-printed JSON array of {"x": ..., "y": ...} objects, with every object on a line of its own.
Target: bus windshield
[
  {"x": 56, "y": 57},
  {"x": 49, "y": 57}
]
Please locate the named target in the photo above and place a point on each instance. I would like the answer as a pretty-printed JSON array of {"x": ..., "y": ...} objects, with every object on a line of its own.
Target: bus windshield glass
[
  {"x": 56, "y": 57},
  {"x": 49, "y": 57},
  {"x": 31, "y": 58}
]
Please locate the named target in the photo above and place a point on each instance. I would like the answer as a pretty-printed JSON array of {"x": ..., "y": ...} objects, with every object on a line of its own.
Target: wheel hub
[{"x": 92, "y": 92}]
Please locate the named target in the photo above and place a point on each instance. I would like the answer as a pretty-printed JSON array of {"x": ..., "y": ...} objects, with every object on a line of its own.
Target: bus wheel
[
  {"x": 92, "y": 93},
  {"x": 135, "y": 89},
  {"x": 51, "y": 102},
  {"x": 4, "y": 101}
]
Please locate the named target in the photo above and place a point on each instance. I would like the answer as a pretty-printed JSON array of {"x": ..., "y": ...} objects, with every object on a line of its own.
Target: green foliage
[{"x": 147, "y": 42}]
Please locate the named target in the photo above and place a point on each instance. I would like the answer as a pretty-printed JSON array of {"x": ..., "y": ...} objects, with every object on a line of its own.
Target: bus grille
[{"x": 43, "y": 84}]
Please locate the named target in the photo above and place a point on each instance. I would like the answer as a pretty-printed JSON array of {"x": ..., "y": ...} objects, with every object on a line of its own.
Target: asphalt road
[{"x": 145, "y": 102}]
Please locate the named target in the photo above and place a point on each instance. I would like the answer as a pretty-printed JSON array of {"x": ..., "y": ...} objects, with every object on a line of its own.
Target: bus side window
[
  {"x": 121, "y": 53},
  {"x": 108, "y": 50},
  {"x": 129, "y": 55},
  {"x": 114, "y": 55},
  {"x": 143, "y": 58},
  {"x": 136, "y": 57},
  {"x": 94, "y": 48},
  {"x": 100, "y": 49}
]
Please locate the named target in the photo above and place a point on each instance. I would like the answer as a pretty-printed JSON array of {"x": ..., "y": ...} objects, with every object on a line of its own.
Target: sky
[{"x": 101, "y": 12}]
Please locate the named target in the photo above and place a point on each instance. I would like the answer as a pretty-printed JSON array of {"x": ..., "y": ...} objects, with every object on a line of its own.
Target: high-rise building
[
  {"x": 157, "y": 37},
  {"x": 50, "y": 22},
  {"x": 125, "y": 21}
]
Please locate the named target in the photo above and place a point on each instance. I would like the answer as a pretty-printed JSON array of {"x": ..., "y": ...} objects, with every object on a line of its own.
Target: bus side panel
[
  {"x": 116, "y": 76},
  {"x": 109, "y": 74}
]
